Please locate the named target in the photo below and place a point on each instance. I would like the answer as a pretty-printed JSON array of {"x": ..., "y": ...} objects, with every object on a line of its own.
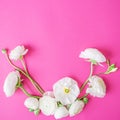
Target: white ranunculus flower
[
  {"x": 18, "y": 52},
  {"x": 76, "y": 107},
  {"x": 48, "y": 105},
  {"x": 93, "y": 54},
  {"x": 61, "y": 112},
  {"x": 97, "y": 87},
  {"x": 32, "y": 103},
  {"x": 10, "y": 83},
  {"x": 66, "y": 90}
]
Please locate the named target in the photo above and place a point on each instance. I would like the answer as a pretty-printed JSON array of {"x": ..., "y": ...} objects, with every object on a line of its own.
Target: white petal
[
  {"x": 48, "y": 105},
  {"x": 25, "y": 52},
  {"x": 61, "y": 112},
  {"x": 32, "y": 103},
  {"x": 93, "y": 54},
  {"x": 60, "y": 95},
  {"x": 76, "y": 108},
  {"x": 10, "y": 83},
  {"x": 49, "y": 93},
  {"x": 97, "y": 87}
]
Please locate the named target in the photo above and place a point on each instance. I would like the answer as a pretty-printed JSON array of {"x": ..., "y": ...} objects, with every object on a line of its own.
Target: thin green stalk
[
  {"x": 83, "y": 96},
  {"x": 28, "y": 76},
  {"x": 28, "y": 94},
  {"x": 24, "y": 65},
  {"x": 91, "y": 72},
  {"x": 35, "y": 84}
]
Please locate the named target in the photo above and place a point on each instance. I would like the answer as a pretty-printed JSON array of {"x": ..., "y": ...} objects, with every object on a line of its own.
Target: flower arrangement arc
[{"x": 64, "y": 99}]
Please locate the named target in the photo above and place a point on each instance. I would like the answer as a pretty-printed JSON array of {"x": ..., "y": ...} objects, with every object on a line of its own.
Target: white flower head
[
  {"x": 76, "y": 107},
  {"x": 93, "y": 55},
  {"x": 61, "y": 112},
  {"x": 97, "y": 87},
  {"x": 10, "y": 83},
  {"x": 66, "y": 90},
  {"x": 18, "y": 52},
  {"x": 48, "y": 105},
  {"x": 32, "y": 103}
]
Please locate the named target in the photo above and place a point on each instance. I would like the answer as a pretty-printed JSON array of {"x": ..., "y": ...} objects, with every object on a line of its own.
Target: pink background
[{"x": 55, "y": 31}]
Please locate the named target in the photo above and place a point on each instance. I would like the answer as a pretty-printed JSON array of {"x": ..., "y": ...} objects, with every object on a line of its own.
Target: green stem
[
  {"x": 28, "y": 94},
  {"x": 35, "y": 84},
  {"x": 91, "y": 72},
  {"x": 39, "y": 88},
  {"x": 24, "y": 65},
  {"x": 83, "y": 96}
]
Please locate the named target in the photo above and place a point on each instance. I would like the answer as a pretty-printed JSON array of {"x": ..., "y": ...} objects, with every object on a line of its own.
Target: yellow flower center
[{"x": 66, "y": 90}]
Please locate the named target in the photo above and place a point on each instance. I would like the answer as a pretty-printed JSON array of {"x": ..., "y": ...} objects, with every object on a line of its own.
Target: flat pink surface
[{"x": 55, "y": 31}]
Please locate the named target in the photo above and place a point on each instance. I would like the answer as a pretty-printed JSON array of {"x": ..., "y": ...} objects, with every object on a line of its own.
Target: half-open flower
[
  {"x": 32, "y": 103},
  {"x": 61, "y": 112},
  {"x": 76, "y": 107},
  {"x": 66, "y": 90},
  {"x": 92, "y": 54},
  {"x": 48, "y": 105},
  {"x": 97, "y": 87},
  {"x": 18, "y": 52},
  {"x": 10, "y": 83}
]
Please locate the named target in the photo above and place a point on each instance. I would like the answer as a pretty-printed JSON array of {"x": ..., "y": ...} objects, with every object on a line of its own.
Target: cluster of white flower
[
  {"x": 64, "y": 100},
  {"x": 60, "y": 102},
  {"x": 48, "y": 106}
]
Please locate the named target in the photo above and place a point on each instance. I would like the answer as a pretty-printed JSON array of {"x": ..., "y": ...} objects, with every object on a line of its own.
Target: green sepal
[
  {"x": 93, "y": 61},
  {"x": 59, "y": 104},
  {"x": 31, "y": 110},
  {"x": 19, "y": 83},
  {"x": 85, "y": 100},
  {"x": 21, "y": 57},
  {"x": 37, "y": 111}
]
